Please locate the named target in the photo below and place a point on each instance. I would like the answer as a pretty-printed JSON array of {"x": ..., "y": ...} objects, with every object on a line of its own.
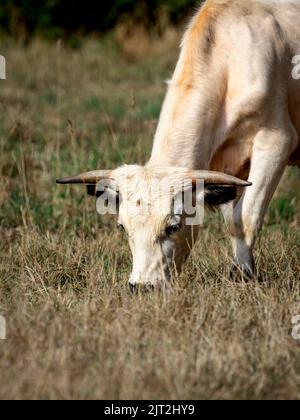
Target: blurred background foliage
[{"x": 62, "y": 18}]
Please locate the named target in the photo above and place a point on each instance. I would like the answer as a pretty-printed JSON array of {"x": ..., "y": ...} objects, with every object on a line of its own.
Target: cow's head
[{"x": 161, "y": 211}]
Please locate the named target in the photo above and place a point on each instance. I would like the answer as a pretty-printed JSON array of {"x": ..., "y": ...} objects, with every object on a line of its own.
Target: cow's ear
[
  {"x": 216, "y": 188},
  {"x": 216, "y": 195},
  {"x": 91, "y": 190}
]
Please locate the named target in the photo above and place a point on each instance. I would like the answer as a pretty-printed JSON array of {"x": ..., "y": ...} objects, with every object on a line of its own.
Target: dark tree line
[{"x": 73, "y": 16}]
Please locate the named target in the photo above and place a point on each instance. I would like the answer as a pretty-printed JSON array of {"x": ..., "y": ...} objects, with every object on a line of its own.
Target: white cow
[{"x": 232, "y": 107}]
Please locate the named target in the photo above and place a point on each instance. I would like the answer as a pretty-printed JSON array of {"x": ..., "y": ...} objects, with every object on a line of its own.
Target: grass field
[{"x": 73, "y": 329}]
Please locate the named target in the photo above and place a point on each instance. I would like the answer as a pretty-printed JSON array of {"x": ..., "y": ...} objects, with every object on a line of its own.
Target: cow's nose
[
  {"x": 141, "y": 287},
  {"x": 132, "y": 288}
]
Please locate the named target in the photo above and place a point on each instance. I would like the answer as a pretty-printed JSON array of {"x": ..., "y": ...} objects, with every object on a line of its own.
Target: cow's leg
[{"x": 271, "y": 151}]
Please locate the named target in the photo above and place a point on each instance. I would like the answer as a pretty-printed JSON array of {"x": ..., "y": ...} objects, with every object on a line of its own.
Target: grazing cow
[{"x": 231, "y": 117}]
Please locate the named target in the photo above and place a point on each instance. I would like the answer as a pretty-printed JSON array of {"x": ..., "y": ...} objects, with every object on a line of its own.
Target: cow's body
[
  {"x": 233, "y": 77},
  {"x": 233, "y": 105}
]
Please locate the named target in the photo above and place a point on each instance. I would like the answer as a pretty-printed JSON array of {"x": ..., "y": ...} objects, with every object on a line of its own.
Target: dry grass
[{"x": 74, "y": 331}]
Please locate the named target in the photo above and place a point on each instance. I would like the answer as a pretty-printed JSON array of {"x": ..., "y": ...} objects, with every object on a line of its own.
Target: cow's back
[
  {"x": 265, "y": 37},
  {"x": 287, "y": 14}
]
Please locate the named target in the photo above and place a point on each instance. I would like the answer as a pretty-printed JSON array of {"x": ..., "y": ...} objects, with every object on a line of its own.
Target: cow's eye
[{"x": 172, "y": 229}]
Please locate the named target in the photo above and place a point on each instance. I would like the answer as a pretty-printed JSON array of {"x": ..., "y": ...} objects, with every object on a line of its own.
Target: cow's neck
[
  {"x": 191, "y": 122},
  {"x": 189, "y": 127}
]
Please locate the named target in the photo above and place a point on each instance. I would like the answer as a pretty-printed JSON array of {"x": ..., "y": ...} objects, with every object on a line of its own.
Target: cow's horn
[
  {"x": 219, "y": 178},
  {"x": 88, "y": 178}
]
